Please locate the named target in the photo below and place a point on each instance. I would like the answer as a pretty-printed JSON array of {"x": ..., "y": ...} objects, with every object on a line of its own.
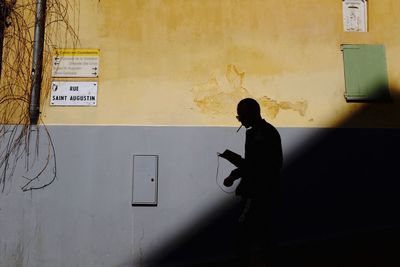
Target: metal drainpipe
[{"x": 37, "y": 62}]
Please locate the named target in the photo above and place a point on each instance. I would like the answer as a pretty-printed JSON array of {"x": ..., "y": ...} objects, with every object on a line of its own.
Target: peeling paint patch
[
  {"x": 272, "y": 107},
  {"x": 214, "y": 98}
]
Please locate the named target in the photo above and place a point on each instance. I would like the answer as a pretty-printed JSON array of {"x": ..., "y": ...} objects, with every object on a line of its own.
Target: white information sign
[
  {"x": 83, "y": 63},
  {"x": 355, "y": 15},
  {"x": 73, "y": 93}
]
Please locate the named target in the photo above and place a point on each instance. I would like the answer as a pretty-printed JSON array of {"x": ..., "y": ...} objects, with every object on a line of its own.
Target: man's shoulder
[
  {"x": 266, "y": 131},
  {"x": 266, "y": 126}
]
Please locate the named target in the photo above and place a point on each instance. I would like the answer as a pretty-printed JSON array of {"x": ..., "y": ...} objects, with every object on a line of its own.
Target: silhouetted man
[{"x": 259, "y": 171}]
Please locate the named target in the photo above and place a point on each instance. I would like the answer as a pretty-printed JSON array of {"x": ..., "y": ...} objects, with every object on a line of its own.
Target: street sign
[
  {"x": 78, "y": 63},
  {"x": 73, "y": 93}
]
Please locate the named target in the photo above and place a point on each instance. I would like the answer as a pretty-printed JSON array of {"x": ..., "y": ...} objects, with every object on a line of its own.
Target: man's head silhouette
[{"x": 248, "y": 112}]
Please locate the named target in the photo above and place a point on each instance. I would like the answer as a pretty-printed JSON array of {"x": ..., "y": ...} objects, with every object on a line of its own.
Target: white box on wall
[{"x": 145, "y": 180}]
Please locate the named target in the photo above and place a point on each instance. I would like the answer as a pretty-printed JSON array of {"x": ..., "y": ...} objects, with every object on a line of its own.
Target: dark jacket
[{"x": 260, "y": 169}]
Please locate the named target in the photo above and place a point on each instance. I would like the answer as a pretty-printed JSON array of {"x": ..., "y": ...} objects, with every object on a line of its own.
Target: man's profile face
[{"x": 244, "y": 116}]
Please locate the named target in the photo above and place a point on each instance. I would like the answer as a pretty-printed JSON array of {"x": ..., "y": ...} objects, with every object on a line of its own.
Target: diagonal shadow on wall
[{"x": 338, "y": 204}]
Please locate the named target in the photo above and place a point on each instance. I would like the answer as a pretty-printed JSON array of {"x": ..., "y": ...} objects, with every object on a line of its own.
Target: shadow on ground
[{"x": 338, "y": 204}]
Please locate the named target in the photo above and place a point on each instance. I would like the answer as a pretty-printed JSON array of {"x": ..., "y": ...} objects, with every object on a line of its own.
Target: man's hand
[
  {"x": 228, "y": 182},
  {"x": 235, "y": 174}
]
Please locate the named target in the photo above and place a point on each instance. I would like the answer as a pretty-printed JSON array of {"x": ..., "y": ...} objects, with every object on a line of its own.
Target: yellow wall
[{"x": 188, "y": 62}]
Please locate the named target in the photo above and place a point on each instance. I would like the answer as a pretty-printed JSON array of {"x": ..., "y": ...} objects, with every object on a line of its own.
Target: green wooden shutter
[{"x": 365, "y": 72}]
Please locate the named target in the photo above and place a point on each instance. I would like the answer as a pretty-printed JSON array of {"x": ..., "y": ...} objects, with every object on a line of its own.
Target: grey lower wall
[{"x": 85, "y": 218}]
